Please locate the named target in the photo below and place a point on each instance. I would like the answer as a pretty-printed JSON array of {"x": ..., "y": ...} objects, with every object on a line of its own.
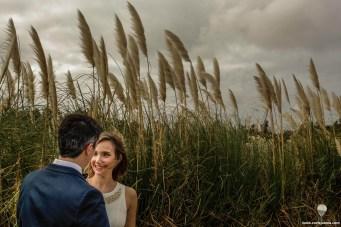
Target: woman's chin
[{"x": 100, "y": 172}]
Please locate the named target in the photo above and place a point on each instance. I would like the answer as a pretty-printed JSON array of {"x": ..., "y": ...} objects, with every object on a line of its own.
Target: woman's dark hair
[
  {"x": 119, "y": 148},
  {"x": 75, "y": 132}
]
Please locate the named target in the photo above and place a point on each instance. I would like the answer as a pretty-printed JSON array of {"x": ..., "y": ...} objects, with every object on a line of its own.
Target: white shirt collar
[{"x": 68, "y": 164}]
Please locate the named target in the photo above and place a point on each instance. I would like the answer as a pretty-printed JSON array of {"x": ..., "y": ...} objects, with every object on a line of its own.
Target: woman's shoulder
[{"x": 130, "y": 192}]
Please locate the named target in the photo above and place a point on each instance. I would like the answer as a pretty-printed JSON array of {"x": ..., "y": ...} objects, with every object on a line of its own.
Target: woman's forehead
[{"x": 105, "y": 146}]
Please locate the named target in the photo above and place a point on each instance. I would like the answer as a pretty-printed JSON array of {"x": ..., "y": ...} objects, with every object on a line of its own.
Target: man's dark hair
[{"x": 75, "y": 132}]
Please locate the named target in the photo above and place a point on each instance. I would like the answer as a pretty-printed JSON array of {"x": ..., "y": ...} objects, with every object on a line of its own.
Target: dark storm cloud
[
  {"x": 281, "y": 35},
  {"x": 277, "y": 24}
]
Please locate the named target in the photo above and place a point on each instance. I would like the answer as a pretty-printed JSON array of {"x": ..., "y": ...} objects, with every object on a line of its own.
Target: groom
[{"x": 58, "y": 195}]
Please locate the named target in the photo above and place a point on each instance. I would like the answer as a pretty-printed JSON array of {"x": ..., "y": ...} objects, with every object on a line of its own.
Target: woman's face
[{"x": 104, "y": 160}]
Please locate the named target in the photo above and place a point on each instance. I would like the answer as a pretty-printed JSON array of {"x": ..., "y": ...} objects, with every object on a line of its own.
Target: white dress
[{"x": 115, "y": 204}]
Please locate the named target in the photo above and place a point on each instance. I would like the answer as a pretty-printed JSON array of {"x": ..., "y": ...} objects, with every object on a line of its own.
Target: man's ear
[{"x": 88, "y": 150}]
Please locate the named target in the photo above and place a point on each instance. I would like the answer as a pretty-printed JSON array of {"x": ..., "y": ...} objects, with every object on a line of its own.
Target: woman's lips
[{"x": 98, "y": 167}]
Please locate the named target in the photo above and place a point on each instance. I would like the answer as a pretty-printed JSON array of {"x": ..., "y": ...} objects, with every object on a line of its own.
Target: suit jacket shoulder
[{"x": 59, "y": 196}]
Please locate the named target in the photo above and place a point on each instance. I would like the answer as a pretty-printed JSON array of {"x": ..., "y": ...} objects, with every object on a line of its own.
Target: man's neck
[{"x": 73, "y": 160}]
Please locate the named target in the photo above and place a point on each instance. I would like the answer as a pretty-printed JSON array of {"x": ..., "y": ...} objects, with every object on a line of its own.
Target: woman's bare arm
[{"x": 131, "y": 198}]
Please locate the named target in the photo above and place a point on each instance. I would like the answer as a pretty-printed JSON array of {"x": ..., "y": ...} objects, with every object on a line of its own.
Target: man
[{"x": 58, "y": 195}]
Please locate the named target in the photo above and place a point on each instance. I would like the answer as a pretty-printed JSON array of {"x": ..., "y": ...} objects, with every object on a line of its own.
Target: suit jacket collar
[
  {"x": 64, "y": 169},
  {"x": 68, "y": 164}
]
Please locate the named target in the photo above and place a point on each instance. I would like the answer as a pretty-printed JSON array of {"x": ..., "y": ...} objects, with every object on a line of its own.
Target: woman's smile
[
  {"x": 99, "y": 167},
  {"x": 104, "y": 159}
]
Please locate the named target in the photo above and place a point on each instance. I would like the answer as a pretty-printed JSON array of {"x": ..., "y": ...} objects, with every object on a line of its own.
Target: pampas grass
[
  {"x": 179, "y": 79},
  {"x": 153, "y": 91},
  {"x": 7, "y": 59},
  {"x": 233, "y": 101},
  {"x": 326, "y": 99},
  {"x": 143, "y": 87},
  {"x": 41, "y": 60},
  {"x": 52, "y": 90},
  {"x": 178, "y": 44},
  {"x": 71, "y": 87},
  {"x": 162, "y": 78},
  {"x": 86, "y": 39},
  {"x": 168, "y": 71},
  {"x": 302, "y": 98},
  {"x": 105, "y": 69},
  {"x": 337, "y": 104},
  {"x": 29, "y": 80},
  {"x": 121, "y": 39},
  {"x": 15, "y": 55},
  {"x": 194, "y": 88},
  {"x": 286, "y": 91},
  {"x": 131, "y": 81},
  {"x": 10, "y": 88},
  {"x": 316, "y": 107},
  {"x": 292, "y": 122},
  {"x": 264, "y": 87},
  {"x": 200, "y": 69},
  {"x": 215, "y": 88},
  {"x": 118, "y": 88},
  {"x": 210, "y": 96},
  {"x": 278, "y": 94},
  {"x": 134, "y": 53},
  {"x": 138, "y": 29},
  {"x": 313, "y": 75},
  {"x": 216, "y": 71}
]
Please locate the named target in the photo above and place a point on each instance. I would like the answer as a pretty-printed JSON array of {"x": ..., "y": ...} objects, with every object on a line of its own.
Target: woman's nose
[{"x": 98, "y": 158}]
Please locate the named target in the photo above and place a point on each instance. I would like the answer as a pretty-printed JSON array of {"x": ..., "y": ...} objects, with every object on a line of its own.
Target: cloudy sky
[{"x": 281, "y": 35}]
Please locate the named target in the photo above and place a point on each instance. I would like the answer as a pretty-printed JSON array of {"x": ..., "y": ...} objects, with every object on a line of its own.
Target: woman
[{"x": 107, "y": 165}]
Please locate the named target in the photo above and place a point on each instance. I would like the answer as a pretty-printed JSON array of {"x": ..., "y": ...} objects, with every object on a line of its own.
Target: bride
[{"x": 107, "y": 165}]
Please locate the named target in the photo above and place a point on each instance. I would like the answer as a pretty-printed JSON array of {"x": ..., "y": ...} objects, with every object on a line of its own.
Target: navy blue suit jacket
[{"x": 59, "y": 196}]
